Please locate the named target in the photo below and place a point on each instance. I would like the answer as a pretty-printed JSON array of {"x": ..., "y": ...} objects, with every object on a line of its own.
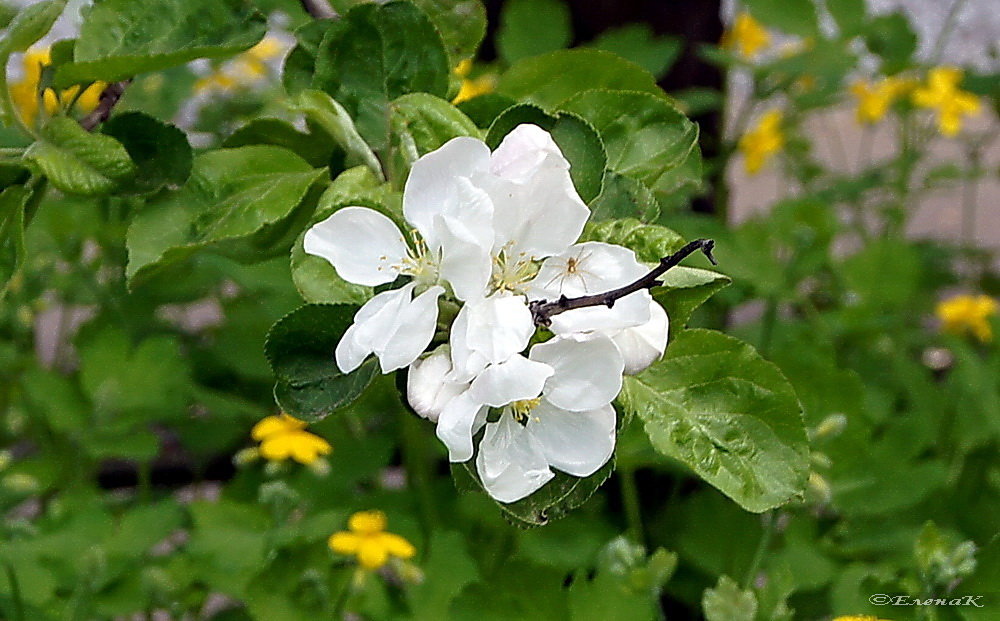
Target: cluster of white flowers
[{"x": 492, "y": 232}]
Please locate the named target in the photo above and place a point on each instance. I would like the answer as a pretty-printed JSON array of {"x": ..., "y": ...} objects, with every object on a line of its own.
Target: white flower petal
[
  {"x": 511, "y": 462},
  {"x": 428, "y": 390},
  {"x": 577, "y": 443},
  {"x": 411, "y": 332},
  {"x": 643, "y": 345},
  {"x": 465, "y": 261},
  {"x": 499, "y": 326},
  {"x": 363, "y": 245},
  {"x": 588, "y": 372},
  {"x": 460, "y": 419},
  {"x": 586, "y": 269},
  {"x": 512, "y": 380},
  {"x": 629, "y": 311},
  {"x": 466, "y": 362},
  {"x": 432, "y": 187},
  {"x": 376, "y": 318},
  {"x": 523, "y": 151}
]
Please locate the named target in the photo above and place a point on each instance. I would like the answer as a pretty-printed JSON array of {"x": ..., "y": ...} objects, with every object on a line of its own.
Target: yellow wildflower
[
  {"x": 942, "y": 93},
  {"x": 472, "y": 87},
  {"x": 859, "y": 618},
  {"x": 27, "y": 99},
  {"x": 246, "y": 69},
  {"x": 764, "y": 140},
  {"x": 874, "y": 98},
  {"x": 367, "y": 540},
  {"x": 747, "y": 36},
  {"x": 283, "y": 436},
  {"x": 968, "y": 314}
]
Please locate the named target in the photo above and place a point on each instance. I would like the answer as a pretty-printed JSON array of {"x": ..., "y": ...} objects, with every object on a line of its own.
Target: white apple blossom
[{"x": 636, "y": 322}]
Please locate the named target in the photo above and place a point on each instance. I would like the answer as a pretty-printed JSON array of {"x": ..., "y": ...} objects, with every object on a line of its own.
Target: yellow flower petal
[
  {"x": 344, "y": 542},
  {"x": 762, "y": 141},
  {"x": 398, "y": 546},
  {"x": 371, "y": 553},
  {"x": 747, "y": 36},
  {"x": 271, "y": 425},
  {"x": 367, "y": 522}
]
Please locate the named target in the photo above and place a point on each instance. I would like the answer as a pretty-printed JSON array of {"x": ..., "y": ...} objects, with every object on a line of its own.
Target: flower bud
[
  {"x": 643, "y": 345},
  {"x": 427, "y": 386}
]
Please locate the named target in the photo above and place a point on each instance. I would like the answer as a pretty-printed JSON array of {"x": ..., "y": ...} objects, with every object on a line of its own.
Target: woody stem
[{"x": 542, "y": 311}]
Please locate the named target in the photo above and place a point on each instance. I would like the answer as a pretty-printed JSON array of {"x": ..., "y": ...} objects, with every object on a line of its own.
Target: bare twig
[
  {"x": 542, "y": 311},
  {"x": 319, "y": 9},
  {"x": 109, "y": 97}
]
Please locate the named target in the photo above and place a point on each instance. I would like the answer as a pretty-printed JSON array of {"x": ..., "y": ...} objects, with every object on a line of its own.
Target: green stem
[
  {"x": 15, "y": 592},
  {"x": 630, "y": 500},
  {"x": 762, "y": 545}
]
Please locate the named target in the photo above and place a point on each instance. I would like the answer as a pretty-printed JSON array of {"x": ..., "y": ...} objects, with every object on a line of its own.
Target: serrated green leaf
[
  {"x": 300, "y": 348},
  {"x": 796, "y": 17},
  {"x": 577, "y": 140},
  {"x": 623, "y": 197},
  {"x": 123, "y": 38},
  {"x": 644, "y": 135},
  {"x": 638, "y": 43},
  {"x": 241, "y": 202},
  {"x": 332, "y": 117},
  {"x": 160, "y": 151},
  {"x": 461, "y": 23},
  {"x": 29, "y": 25},
  {"x": 431, "y": 121},
  {"x": 554, "y": 500},
  {"x": 715, "y": 405},
  {"x": 532, "y": 27},
  {"x": 651, "y": 242},
  {"x": 79, "y": 162},
  {"x": 376, "y": 53},
  {"x": 684, "y": 289},
  {"x": 728, "y": 602},
  {"x": 550, "y": 79},
  {"x": 315, "y": 148}
]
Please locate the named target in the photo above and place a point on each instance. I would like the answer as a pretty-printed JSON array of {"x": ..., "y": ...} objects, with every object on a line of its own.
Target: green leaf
[
  {"x": 651, "y": 242},
  {"x": 431, "y": 121},
  {"x": 79, "y": 162},
  {"x": 623, "y": 197},
  {"x": 315, "y": 148},
  {"x": 550, "y": 79},
  {"x": 728, "y": 602},
  {"x": 715, "y": 405},
  {"x": 532, "y": 27},
  {"x": 160, "y": 151},
  {"x": 577, "y": 140},
  {"x": 30, "y": 25},
  {"x": 461, "y": 23},
  {"x": 554, "y": 500},
  {"x": 892, "y": 38},
  {"x": 13, "y": 199},
  {"x": 376, "y": 53},
  {"x": 240, "y": 202},
  {"x": 122, "y": 38},
  {"x": 638, "y": 43},
  {"x": 300, "y": 348},
  {"x": 849, "y": 15},
  {"x": 644, "y": 135},
  {"x": 796, "y": 17},
  {"x": 608, "y": 596},
  {"x": 684, "y": 289},
  {"x": 333, "y": 118}
]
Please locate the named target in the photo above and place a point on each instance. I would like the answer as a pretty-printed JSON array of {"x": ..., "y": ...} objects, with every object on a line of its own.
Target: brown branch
[
  {"x": 319, "y": 9},
  {"x": 109, "y": 97},
  {"x": 542, "y": 311}
]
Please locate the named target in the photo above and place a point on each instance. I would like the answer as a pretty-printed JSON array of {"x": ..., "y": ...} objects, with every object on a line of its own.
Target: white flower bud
[
  {"x": 643, "y": 345},
  {"x": 427, "y": 388}
]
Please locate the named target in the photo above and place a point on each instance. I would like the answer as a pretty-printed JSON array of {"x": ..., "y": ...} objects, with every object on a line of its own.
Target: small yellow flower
[
  {"x": 368, "y": 541},
  {"x": 27, "y": 99},
  {"x": 942, "y": 93},
  {"x": 859, "y": 618},
  {"x": 963, "y": 314},
  {"x": 472, "y": 87},
  {"x": 874, "y": 98},
  {"x": 747, "y": 36},
  {"x": 762, "y": 141},
  {"x": 282, "y": 437},
  {"x": 247, "y": 69}
]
